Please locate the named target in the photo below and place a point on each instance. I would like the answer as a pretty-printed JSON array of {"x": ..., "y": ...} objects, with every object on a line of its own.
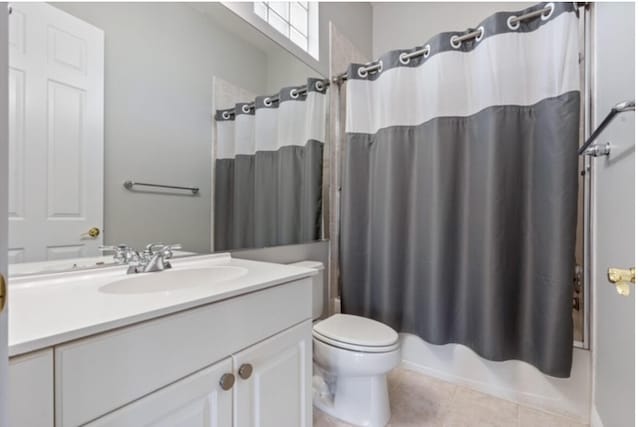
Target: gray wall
[
  {"x": 613, "y": 216},
  {"x": 283, "y": 69},
  {"x": 353, "y": 20},
  {"x": 159, "y": 62},
  {"x": 398, "y": 25}
]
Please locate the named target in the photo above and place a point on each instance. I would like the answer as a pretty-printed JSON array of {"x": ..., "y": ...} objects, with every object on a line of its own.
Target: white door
[
  {"x": 56, "y": 93},
  {"x": 613, "y": 217},
  {"x": 273, "y": 381},
  {"x": 4, "y": 211},
  {"x": 196, "y": 401}
]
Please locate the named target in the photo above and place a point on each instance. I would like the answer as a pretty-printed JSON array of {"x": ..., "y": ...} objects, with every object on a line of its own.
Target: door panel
[
  {"x": 56, "y": 106},
  {"x": 278, "y": 391},
  {"x": 4, "y": 206},
  {"x": 613, "y": 219},
  {"x": 196, "y": 401}
]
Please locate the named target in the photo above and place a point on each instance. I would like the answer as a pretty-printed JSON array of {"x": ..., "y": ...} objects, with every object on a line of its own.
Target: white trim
[{"x": 455, "y": 83}]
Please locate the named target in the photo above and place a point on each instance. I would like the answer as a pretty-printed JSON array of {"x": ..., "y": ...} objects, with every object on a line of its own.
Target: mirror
[{"x": 133, "y": 123}]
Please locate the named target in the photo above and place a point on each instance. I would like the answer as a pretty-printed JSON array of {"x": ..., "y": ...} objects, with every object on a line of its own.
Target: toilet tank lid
[{"x": 316, "y": 265}]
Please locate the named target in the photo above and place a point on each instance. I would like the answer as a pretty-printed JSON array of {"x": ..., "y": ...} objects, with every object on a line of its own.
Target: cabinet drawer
[
  {"x": 31, "y": 389},
  {"x": 99, "y": 374}
]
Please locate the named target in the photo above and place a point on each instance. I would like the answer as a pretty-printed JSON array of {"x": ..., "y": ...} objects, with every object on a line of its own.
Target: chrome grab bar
[
  {"x": 130, "y": 184},
  {"x": 618, "y": 108}
]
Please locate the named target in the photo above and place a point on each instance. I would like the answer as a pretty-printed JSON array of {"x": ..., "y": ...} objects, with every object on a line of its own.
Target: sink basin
[{"x": 173, "y": 280}]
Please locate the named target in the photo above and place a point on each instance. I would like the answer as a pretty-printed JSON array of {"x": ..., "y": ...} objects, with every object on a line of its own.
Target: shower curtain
[
  {"x": 460, "y": 186},
  {"x": 268, "y": 169}
]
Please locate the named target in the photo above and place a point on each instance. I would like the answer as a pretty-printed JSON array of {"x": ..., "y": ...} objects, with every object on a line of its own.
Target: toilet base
[{"x": 362, "y": 401}]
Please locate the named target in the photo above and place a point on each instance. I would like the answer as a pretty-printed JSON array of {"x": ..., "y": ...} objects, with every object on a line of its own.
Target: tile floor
[{"x": 421, "y": 401}]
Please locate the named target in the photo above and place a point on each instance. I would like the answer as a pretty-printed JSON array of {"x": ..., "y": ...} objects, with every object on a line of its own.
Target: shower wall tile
[{"x": 342, "y": 52}]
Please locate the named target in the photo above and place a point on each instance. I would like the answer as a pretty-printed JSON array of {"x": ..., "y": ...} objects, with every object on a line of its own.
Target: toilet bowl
[{"x": 352, "y": 356}]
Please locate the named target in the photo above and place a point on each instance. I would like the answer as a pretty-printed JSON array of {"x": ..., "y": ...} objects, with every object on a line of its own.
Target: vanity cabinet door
[
  {"x": 273, "y": 381},
  {"x": 31, "y": 390},
  {"x": 199, "y": 400}
]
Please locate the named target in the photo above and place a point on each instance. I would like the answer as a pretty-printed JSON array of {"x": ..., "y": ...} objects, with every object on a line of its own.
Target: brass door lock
[
  {"x": 93, "y": 233},
  {"x": 3, "y": 293},
  {"x": 622, "y": 278}
]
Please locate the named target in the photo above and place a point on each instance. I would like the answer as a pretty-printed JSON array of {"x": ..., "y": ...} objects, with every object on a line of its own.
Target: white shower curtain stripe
[
  {"x": 225, "y": 136},
  {"x": 458, "y": 83}
]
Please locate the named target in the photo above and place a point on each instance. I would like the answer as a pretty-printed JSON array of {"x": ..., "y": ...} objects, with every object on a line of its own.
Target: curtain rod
[
  {"x": 295, "y": 92},
  {"x": 513, "y": 22}
]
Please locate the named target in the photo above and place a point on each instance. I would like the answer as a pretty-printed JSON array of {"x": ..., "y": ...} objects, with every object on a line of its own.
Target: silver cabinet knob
[
  {"x": 245, "y": 371},
  {"x": 227, "y": 381}
]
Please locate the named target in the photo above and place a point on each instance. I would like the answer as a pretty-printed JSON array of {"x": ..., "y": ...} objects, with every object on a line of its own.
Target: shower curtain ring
[
  {"x": 511, "y": 24},
  {"x": 546, "y": 16},
  {"x": 455, "y": 42},
  {"x": 428, "y": 50}
]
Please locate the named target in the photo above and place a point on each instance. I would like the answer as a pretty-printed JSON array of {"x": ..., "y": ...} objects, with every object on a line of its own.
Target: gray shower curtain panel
[
  {"x": 459, "y": 196},
  {"x": 268, "y": 170}
]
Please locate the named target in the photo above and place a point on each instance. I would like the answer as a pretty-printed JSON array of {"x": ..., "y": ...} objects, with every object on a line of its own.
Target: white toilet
[{"x": 351, "y": 356}]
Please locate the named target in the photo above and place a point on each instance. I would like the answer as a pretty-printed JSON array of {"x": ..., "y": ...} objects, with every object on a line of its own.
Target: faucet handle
[
  {"x": 167, "y": 250},
  {"x": 122, "y": 254},
  {"x": 153, "y": 248}
]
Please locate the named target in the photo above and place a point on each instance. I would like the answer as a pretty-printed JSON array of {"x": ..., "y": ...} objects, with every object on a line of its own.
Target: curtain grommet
[
  {"x": 404, "y": 58},
  {"x": 226, "y": 115},
  {"x": 319, "y": 86},
  {"x": 546, "y": 16},
  {"x": 511, "y": 24},
  {"x": 481, "y": 35},
  {"x": 294, "y": 94},
  {"x": 362, "y": 73},
  {"x": 380, "y": 66},
  {"x": 428, "y": 52},
  {"x": 246, "y": 109},
  {"x": 455, "y": 42},
  {"x": 267, "y": 102}
]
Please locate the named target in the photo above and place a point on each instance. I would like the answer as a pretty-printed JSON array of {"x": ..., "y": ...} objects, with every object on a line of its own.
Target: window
[{"x": 298, "y": 21}]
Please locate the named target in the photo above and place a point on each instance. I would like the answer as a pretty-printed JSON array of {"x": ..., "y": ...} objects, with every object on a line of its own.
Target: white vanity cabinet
[
  {"x": 273, "y": 380},
  {"x": 266, "y": 385},
  {"x": 167, "y": 371}
]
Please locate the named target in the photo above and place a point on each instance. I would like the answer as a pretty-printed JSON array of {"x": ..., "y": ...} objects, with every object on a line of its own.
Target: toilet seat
[{"x": 356, "y": 333}]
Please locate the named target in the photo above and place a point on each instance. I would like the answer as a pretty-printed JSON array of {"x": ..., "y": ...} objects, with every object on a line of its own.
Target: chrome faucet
[{"x": 153, "y": 258}]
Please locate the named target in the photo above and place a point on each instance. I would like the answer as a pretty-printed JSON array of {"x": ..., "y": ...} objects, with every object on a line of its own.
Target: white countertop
[{"x": 49, "y": 309}]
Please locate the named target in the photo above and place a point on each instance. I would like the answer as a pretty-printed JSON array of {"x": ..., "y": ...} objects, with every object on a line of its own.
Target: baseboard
[
  {"x": 511, "y": 380},
  {"x": 596, "y": 421}
]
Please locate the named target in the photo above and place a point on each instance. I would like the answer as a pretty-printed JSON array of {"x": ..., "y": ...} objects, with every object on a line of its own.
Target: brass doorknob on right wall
[{"x": 622, "y": 278}]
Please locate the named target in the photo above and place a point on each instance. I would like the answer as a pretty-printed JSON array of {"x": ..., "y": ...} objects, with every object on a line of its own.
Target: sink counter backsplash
[{"x": 49, "y": 309}]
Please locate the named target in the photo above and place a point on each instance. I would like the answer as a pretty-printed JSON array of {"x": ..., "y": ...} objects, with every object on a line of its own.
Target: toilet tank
[{"x": 319, "y": 295}]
